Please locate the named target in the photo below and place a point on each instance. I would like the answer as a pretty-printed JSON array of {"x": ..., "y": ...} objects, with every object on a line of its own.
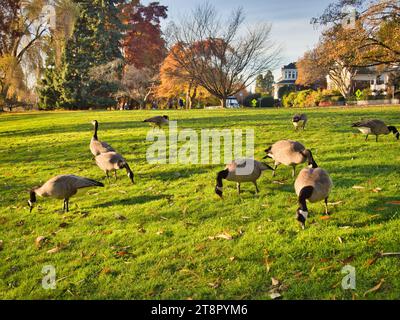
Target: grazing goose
[
  {"x": 299, "y": 120},
  {"x": 62, "y": 187},
  {"x": 112, "y": 161},
  {"x": 158, "y": 121},
  {"x": 241, "y": 170},
  {"x": 289, "y": 153},
  {"x": 376, "y": 127},
  {"x": 96, "y": 146},
  {"x": 312, "y": 184}
]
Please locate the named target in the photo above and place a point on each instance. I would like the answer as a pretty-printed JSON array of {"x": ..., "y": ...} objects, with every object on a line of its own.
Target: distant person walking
[{"x": 181, "y": 103}]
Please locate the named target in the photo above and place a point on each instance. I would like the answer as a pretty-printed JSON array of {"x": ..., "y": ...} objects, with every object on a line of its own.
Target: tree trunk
[{"x": 223, "y": 102}]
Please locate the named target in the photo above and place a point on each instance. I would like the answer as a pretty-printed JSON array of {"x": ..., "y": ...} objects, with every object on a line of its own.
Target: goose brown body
[
  {"x": 63, "y": 187},
  {"x": 318, "y": 179},
  {"x": 375, "y": 127},
  {"x": 112, "y": 161},
  {"x": 158, "y": 120},
  {"x": 289, "y": 153},
  {"x": 241, "y": 170}
]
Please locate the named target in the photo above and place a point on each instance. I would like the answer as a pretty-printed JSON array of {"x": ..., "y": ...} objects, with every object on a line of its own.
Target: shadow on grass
[{"x": 134, "y": 200}]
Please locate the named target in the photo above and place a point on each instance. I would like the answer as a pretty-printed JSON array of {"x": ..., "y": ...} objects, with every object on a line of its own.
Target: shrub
[
  {"x": 267, "y": 102},
  {"x": 288, "y": 100}
]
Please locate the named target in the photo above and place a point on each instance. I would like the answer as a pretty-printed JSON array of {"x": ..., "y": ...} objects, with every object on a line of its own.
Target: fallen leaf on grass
[
  {"x": 141, "y": 230},
  {"x": 122, "y": 253},
  {"x": 370, "y": 262},
  {"x": 106, "y": 232},
  {"x": 54, "y": 250},
  {"x": 380, "y": 209},
  {"x": 20, "y": 223},
  {"x": 40, "y": 241},
  {"x": 372, "y": 240},
  {"x": 160, "y": 232},
  {"x": 325, "y": 217},
  {"x": 105, "y": 270},
  {"x": 395, "y": 202},
  {"x": 232, "y": 259},
  {"x": 225, "y": 235},
  {"x": 376, "y": 288},
  {"x": 340, "y": 239},
  {"x": 275, "y": 282},
  {"x": 358, "y": 187},
  {"x": 327, "y": 268},
  {"x": 1, "y": 244},
  {"x": 377, "y": 190},
  {"x": 275, "y": 295},
  {"x": 278, "y": 182},
  {"x": 347, "y": 260},
  {"x": 215, "y": 285}
]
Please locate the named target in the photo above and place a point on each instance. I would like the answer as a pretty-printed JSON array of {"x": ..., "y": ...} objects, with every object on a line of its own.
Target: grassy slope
[{"x": 172, "y": 211}]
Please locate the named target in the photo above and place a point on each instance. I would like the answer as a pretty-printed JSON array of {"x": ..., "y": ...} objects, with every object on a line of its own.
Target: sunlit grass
[{"x": 165, "y": 248}]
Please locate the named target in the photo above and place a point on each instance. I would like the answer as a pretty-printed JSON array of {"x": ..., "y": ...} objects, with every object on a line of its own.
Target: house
[
  {"x": 377, "y": 80},
  {"x": 288, "y": 78}
]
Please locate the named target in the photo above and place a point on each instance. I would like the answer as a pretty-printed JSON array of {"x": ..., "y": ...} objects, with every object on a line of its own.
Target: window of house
[{"x": 380, "y": 80}]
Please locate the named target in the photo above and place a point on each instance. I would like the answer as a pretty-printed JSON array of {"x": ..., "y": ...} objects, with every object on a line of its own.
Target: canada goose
[
  {"x": 158, "y": 121},
  {"x": 62, "y": 187},
  {"x": 112, "y": 161},
  {"x": 96, "y": 146},
  {"x": 289, "y": 153},
  {"x": 241, "y": 170},
  {"x": 312, "y": 184},
  {"x": 299, "y": 119},
  {"x": 376, "y": 127}
]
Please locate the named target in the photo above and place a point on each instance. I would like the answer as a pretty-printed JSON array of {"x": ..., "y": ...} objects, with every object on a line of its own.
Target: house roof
[{"x": 290, "y": 66}]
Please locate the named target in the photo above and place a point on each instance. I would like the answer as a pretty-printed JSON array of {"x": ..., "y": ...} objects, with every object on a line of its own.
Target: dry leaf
[
  {"x": 327, "y": 268},
  {"x": 224, "y": 235},
  {"x": 105, "y": 232},
  {"x": 334, "y": 203},
  {"x": 232, "y": 258},
  {"x": 380, "y": 209},
  {"x": 372, "y": 240},
  {"x": 1, "y": 244},
  {"x": 278, "y": 182},
  {"x": 340, "y": 239},
  {"x": 370, "y": 262},
  {"x": 275, "y": 282},
  {"x": 215, "y": 285},
  {"x": 395, "y": 202},
  {"x": 20, "y": 223},
  {"x": 358, "y": 187},
  {"x": 141, "y": 230},
  {"x": 275, "y": 295},
  {"x": 122, "y": 253},
  {"x": 63, "y": 225},
  {"x": 325, "y": 217},
  {"x": 40, "y": 241},
  {"x": 377, "y": 190},
  {"x": 160, "y": 232},
  {"x": 54, "y": 250},
  {"x": 105, "y": 270},
  {"x": 348, "y": 260},
  {"x": 376, "y": 288}
]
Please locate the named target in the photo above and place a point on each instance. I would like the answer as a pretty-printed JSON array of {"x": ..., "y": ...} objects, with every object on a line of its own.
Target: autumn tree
[
  {"x": 310, "y": 70},
  {"x": 175, "y": 81},
  {"x": 375, "y": 37},
  {"x": 219, "y": 55},
  {"x": 143, "y": 43}
]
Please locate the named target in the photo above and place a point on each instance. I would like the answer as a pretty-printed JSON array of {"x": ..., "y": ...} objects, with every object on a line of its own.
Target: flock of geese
[{"x": 312, "y": 184}]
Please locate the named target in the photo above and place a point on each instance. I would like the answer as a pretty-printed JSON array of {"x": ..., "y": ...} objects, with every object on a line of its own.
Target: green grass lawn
[{"x": 165, "y": 248}]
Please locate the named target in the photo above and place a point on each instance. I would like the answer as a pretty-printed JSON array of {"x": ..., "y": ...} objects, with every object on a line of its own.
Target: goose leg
[
  {"x": 108, "y": 176},
  {"x": 326, "y": 206},
  {"x": 255, "y": 184},
  {"x": 238, "y": 187},
  {"x": 67, "y": 205},
  {"x": 294, "y": 171},
  {"x": 274, "y": 171},
  {"x": 366, "y": 138},
  {"x": 115, "y": 175},
  {"x": 376, "y": 138},
  {"x": 64, "y": 206}
]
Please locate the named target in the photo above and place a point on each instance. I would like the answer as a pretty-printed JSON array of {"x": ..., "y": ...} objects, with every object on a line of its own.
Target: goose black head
[
  {"x": 301, "y": 217},
  {"x": 166, "y": 117},
  {"x": 221, "y": 175},
  {"x": 32, "y": 200},
  {"x": 394, "y": 131}
]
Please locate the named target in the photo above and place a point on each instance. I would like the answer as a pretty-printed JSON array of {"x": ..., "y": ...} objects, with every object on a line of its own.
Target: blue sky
[{"x": 290, "y": 19}]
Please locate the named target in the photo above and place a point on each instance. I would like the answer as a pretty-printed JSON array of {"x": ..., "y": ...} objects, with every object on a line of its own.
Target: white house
[
  {"x": 288, "y": 78},
  {"x": 375, "y": 79}
]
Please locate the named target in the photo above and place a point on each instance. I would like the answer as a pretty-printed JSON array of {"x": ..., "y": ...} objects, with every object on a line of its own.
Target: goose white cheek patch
[{"x": 304, "y": 213}]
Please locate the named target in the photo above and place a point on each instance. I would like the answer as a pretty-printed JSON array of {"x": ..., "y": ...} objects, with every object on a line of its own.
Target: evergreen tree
[
  {"x": 95, "y": 41},
  {"x": 264, "y": 84}
]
